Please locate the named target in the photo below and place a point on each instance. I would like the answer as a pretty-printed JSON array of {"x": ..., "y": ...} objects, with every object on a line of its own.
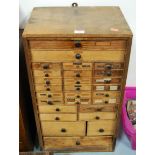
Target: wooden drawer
[
  {"x": 106, "y": 101},
  {"x": 97, "y": 116},
  {"x": 97, "y": 108},
  {"x": 50, "y": 101},
  {"x": 77, "y": 66},
  {"x": 44, "y": 95},
  {"x": 70, "y": 56},
  {"x": 108, "y": 66},
  {"x": 78, "y": 73},
  {"x": 78, "y": 98},
  {"x": 106, "y": 87},
  {"x": 46, "y": 80},
  {"x": 58, "y": 117},
  {"x": 57, "y": 109},
  {"x": 51, "y": 88},
  {"x": 106, "y": 94},
  {"x": 108, "y": 73},
  {"x": 73, "y": 81},
  {"x": 47, "y": 73},
  {"x": 70, "y": 44},
  {"x": 106, "y": 142},
  {"x": 107, "y": 80},
  {"x": 82, "y": 87},
  {"x": 63, "y": 128},
  {"x": 103, "y": 127}
]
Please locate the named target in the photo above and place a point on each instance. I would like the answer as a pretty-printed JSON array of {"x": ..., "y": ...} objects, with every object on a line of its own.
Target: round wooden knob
[
  {"x": 78, "y": 88},
  {"x": 57, "y": 109},
  {"x": 63, "y": 130},
  {"x": 78, "y": 56},
  {"x": 78, "y": 44},
  {"x": 78, "y": 82},
  {"x": 57, "y": 118},
  {"x": 106, "y": 102},
  {"x": 77, "y": 102},
  {"x": 97, "y": 117},
  {"x": 108, "y": 73},
  {"x": 45, "y": 66},
  {"x": 101, "y": 130},
  {"x": 46, "y": 75},
  {"x": 99, "y": 109},
  {"x": 47, "y": 82},
  {"x": 78, "y": 75},
  {"x": 74, "y": 4},
  {"x": 49, "y": 95},
  {"x": 77, "y": 143},
  {"x": 49, "y": 102},
  {"x": 108, "y": 66},
  {"x": 48, "y": 89},
  {"x": 106, "y": 95},
  {"x": 78, "y": 96}
]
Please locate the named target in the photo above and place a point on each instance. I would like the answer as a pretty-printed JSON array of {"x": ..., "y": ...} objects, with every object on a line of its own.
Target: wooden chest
[{"x": 77, "y": 61}]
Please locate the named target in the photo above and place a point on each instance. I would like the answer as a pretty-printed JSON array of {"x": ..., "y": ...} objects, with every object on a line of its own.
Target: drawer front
[
  {"x": 44, "y": 95},
  {"x": 52, "y": 88},
  {"x": 97, "y": 116},
  {"x": 57, "y": 109},
  {"x": 63, "y": 128},
  {"x": 104, "y": 127},
  {"x": 107, "y": 80},
  {"x": 102, "y": 73},
  {"x": 70, "y": 56},
  {"x": 96, "y": 108},
  {"x": 69, "y": 142},
  {"x": 50, "y": 101},
  {"x": 47, "y": 73},
  {"x": 58, "y": 117},
  {"x": 108, "y": 66},
  {"x": 106, "y": 94},
  {"x": 70, "y": 44},
  {"x": 77, "y": 73},
  {"x": 77, "y": 66},
  {"x": 47, "y": 80},
  {"x": 74, "y": 81},
  {"x": 77, "y": 87},
  {"x": 106, "y": 87},
  {"x": 46, "y": 66},
  {"x": 106, "y": 100}
]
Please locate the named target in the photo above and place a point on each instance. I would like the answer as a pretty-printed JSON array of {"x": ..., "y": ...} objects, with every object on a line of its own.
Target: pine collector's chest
[{"x": 77, "y": 61}]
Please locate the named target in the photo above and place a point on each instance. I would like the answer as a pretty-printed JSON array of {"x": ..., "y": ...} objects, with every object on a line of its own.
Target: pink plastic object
[{"x": 130, "y": 93}]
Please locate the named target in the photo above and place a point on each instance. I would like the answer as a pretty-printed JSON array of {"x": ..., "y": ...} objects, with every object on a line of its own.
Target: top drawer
[{"x": 70, "y": 44}]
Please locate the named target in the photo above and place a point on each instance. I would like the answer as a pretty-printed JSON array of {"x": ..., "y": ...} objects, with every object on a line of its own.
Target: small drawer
[
  {"x": 74, "y": 81},
  {"x": 106, "y": 94},
  {"x": 78, "y": 73},
  {"x": 106, "y": 101},
  {"x": 45, "y": 95},
  {"x": 58, "y": 117},
  {"x": 83, "y": 87},
  {"x": 108, "y": 66},
  {"x": 106, "y": 87},
  {"x": 104, "y": 142},
  {"x": 63, "y": 128},
  {"x": 50, "y": 88},
  {"x": 46, "y": 66},
  {"x": 103, "y": 127},
  {"x": 47, "y": 80},
  {"x": 57, "y": 109},
  {"x": 97, "y": 108},
  {"x": 77, "y": 66},
  {"x": 97, "y": 116},
  {"x": 108, "y": 73},
  {"x": 107, "y": 80},
  {"x": 50, "y": 101}
]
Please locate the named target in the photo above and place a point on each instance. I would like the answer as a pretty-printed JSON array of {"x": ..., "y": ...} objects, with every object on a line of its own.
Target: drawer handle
[
  {"x": 57, "y": 109},
  {"x": 78, "y": 44},
  {"x": 108, "y": 73},
  {"x": 97, "y": 117},
  {"x": 78, "y": 75},
  {"x": 106, "y": 102},
  {"x": 77, "y": 143},
  {"x": 107, "y": 81},
  {"x": 101, "y": 130},
  {"x": 78, "y": 82},
  {"x": 78, "y": 96},
  {"x": 78, "y": 56},
  {"x": 63, "y": 130},
  {"x": 108, "y": 66},
  {"x": 77, "y": 102},
  {"x": 47, "y": 82},
  {"x": 99, "y": 109},
  {"x": 49, "y": 102},
  {"x": 48, "y": 89},
  {"x": 49, "y": 95},
  {"x": 78, "y": 88},
  {"x": 106, "y": 95},
  {"x": 57, "y": 118},
  {"x": 46, "y": 75},
  {"x": 45, "y": 66},
  {"x": 74, "y": 4}
]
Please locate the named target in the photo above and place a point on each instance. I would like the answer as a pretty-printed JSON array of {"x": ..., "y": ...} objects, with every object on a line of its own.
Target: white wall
[{"x": 128, "y": 8}]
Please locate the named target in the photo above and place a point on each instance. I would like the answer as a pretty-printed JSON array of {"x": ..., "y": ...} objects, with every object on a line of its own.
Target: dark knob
[
  {"x": 107, "y": 81},
  {"x": 78, "y": 96},
  {"x": 46, "y": 75},
  {"x": 63, "y": 130},
  {"x": 74, "y": 4},
  {"x": 49, "y": 102},
  {"x": 99, "y": 109},
  {"x": 78, "y": 88},
  {"x": 108, "y": 66},
  {"x": 49, "y": 95},
  {"x": 77, "y": 44},
  {"x": 57, "y": 109},
  {"x": 45, "y": 66},
  {"x": 78, "y": 82},
  {"x": 78, "y": 75},
  {"x": 77, "y": 143},
  {"x": 47, "y": 82},
  {"x": 78, "y": 56},
  {"x": 101, "y": 130},
  {"x": 97, "y": 117},
  {"x": 106, "y": 95},
  {"x": 106, "y": 102},
  {"x": 48, "y": 89},
  {"x": 57, "y": 118},
  {"x": 77, "y": 102},
  {"x": 108, "y": 73}
]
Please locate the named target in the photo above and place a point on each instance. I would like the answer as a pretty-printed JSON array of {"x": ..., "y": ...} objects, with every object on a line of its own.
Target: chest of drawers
[{"x": 77, "y": 60}]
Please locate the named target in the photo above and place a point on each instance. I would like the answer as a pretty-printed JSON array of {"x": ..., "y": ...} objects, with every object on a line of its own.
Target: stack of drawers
[{"x": 76, "y": 85}]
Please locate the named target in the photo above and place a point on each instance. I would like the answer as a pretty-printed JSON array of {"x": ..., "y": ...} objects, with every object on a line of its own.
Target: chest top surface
[{"x": 77, "y": 22}]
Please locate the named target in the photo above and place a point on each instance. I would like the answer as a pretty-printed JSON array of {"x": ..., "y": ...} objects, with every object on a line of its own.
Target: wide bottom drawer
[{"x": 105, "y": 142}]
